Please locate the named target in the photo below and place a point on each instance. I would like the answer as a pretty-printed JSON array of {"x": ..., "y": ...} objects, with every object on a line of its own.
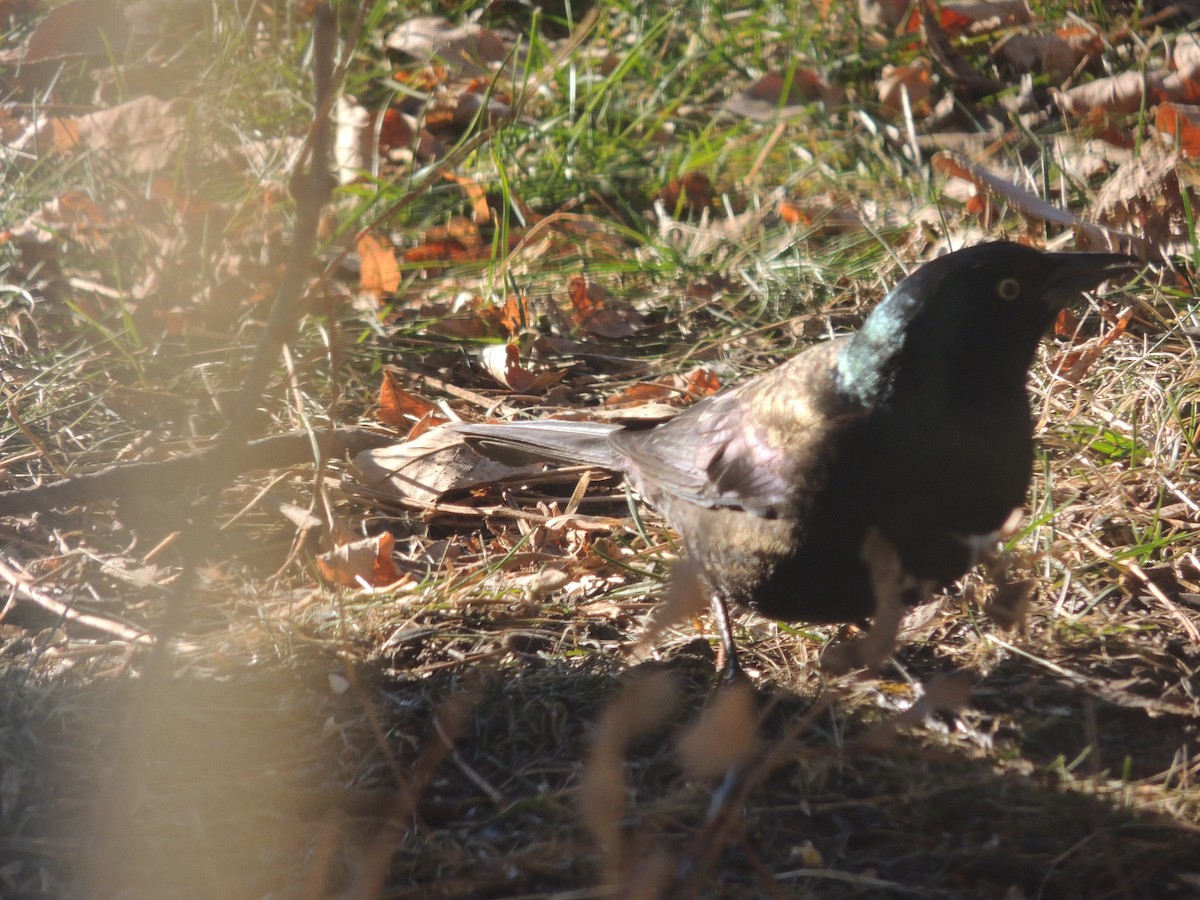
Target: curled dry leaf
[
  {"x": 431, "y": 465},
  {"x": 503, "y": 363},
  {"x": 1127, "y": 92},
  {"x": 725, "y": 736},
  {"x": 400, "y": 408},
  {"x": 362, "y": 563}
]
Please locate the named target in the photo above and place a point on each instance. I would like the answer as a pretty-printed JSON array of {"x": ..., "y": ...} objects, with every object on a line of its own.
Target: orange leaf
[
  {"x": 641, "y": 393},
  {"x": 593, "y": 314},
  {"x": 701, "y": 383},
  {"x": 362, "y": 563},
  {"x": 1182, "y": 123},
  {"x": 378, "y": 271},
  {"x": 793, "y": 214},
  {"x": 398, "y": 407},
  {"x": 1074, "y": 364}
]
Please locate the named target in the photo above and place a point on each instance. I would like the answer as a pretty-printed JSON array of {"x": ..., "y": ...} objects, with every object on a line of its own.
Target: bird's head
[{"x": 972, "y": 318}]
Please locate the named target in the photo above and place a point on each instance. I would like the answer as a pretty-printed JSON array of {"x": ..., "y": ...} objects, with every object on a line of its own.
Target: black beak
[{"x": 1074, "y": 273}]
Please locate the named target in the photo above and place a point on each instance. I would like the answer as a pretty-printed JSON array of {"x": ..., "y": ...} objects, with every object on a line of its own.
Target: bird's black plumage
[{"x": 863, "y": 467}]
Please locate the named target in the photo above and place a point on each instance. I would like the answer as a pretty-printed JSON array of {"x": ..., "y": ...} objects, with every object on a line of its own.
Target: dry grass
[{"x": 484, "y": 728}]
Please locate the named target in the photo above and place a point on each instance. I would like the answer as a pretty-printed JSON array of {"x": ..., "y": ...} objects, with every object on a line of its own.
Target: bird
[{"x": 862, "y": 474}]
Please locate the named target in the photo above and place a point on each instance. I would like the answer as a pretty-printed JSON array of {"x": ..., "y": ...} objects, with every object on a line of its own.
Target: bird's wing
[{"x": 749, "y": 448}]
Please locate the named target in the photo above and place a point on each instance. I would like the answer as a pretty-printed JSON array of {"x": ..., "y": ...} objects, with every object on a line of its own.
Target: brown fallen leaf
[
  {"x": 432, "y": 465},
  {"x": 400, "y": 408},
  {"x": 1074, "y": 364},
  {"x": 503, "y": 363},
  {"x": 143, "y": 135},
  {"x": 913, "y": 79},
  {"x": 776, "y": 94},
  {"x": 1057, "y": 54},
  {"x": 594, "y": 312},
  {"x": 362, "y": 563},
  {"x": 470, "y": 49},
  {"x": 689, "y": 195},
  {"x": 1127, "y": 92},
  {"x": 1181, "y": 123}
]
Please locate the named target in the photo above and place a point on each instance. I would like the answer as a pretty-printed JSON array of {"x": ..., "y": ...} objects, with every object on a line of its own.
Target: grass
[{"x": 430, "y": 739}]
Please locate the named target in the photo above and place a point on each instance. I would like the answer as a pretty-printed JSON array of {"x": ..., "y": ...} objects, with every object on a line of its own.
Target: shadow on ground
[{"x": 313, "y": 779}]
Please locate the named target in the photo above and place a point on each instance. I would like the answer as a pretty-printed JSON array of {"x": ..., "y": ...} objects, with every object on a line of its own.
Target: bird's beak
[{"x": 1075, "y": 273}]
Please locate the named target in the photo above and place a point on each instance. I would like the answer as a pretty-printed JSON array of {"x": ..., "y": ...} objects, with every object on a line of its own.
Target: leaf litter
[{"x": 444, "y": 710}]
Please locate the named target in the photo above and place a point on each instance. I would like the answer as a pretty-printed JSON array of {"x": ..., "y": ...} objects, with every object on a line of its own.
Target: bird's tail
[{"x": 551, "y": 440}]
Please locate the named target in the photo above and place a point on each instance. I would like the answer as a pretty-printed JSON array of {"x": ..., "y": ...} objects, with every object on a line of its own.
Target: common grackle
[{"x": 866, "y": 471}]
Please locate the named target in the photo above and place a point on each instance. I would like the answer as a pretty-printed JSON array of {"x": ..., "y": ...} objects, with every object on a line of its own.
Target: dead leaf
[
  {"x": 913, "y": 79},
  {"x": 593, "y": 312},
  {"x": 143, "y": 135},
  {"x": 1057, "y": 54},
  {"x": 689, "y": 195},
  {"x": 431, "y": 465},
  {"x": 775, "y": 94},
  {"x": 1181, "y": 123},
  {"x": 378, "y": 271},
  {"x": 481, "y": 213},
  {"x": 1126, "y": 92},
  {"x": 81, "y": 28},
  {"x": 74, "y": 216},
  {"x": 363, "y": 563},
  {"x": 885, "y": 14},
  {"x": 954, "y": 19},
  {"x": 398, "y": 407},
  {"x": 503, "y": 363},
  {"x": 1074, "y": 364},
  {"x": 470, "y": 49},
  {"x": 1145, "y": 196}
]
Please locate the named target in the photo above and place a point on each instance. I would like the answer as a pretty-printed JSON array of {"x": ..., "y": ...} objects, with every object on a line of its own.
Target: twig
[
  {"x": 313, "y": 187},
  {"x": 18, "y": 580},
  {"x": 212, "y": 464}
]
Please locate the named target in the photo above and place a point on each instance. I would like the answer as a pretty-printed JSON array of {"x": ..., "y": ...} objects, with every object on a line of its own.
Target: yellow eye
[{"x": 1008, "y": 289}]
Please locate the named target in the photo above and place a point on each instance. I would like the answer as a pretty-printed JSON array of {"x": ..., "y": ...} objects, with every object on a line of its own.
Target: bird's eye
[{"x": 1008, "y": 289}]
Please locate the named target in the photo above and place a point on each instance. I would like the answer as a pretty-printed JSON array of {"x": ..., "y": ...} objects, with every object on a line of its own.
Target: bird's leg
[{"x": 731, "y": 670}]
